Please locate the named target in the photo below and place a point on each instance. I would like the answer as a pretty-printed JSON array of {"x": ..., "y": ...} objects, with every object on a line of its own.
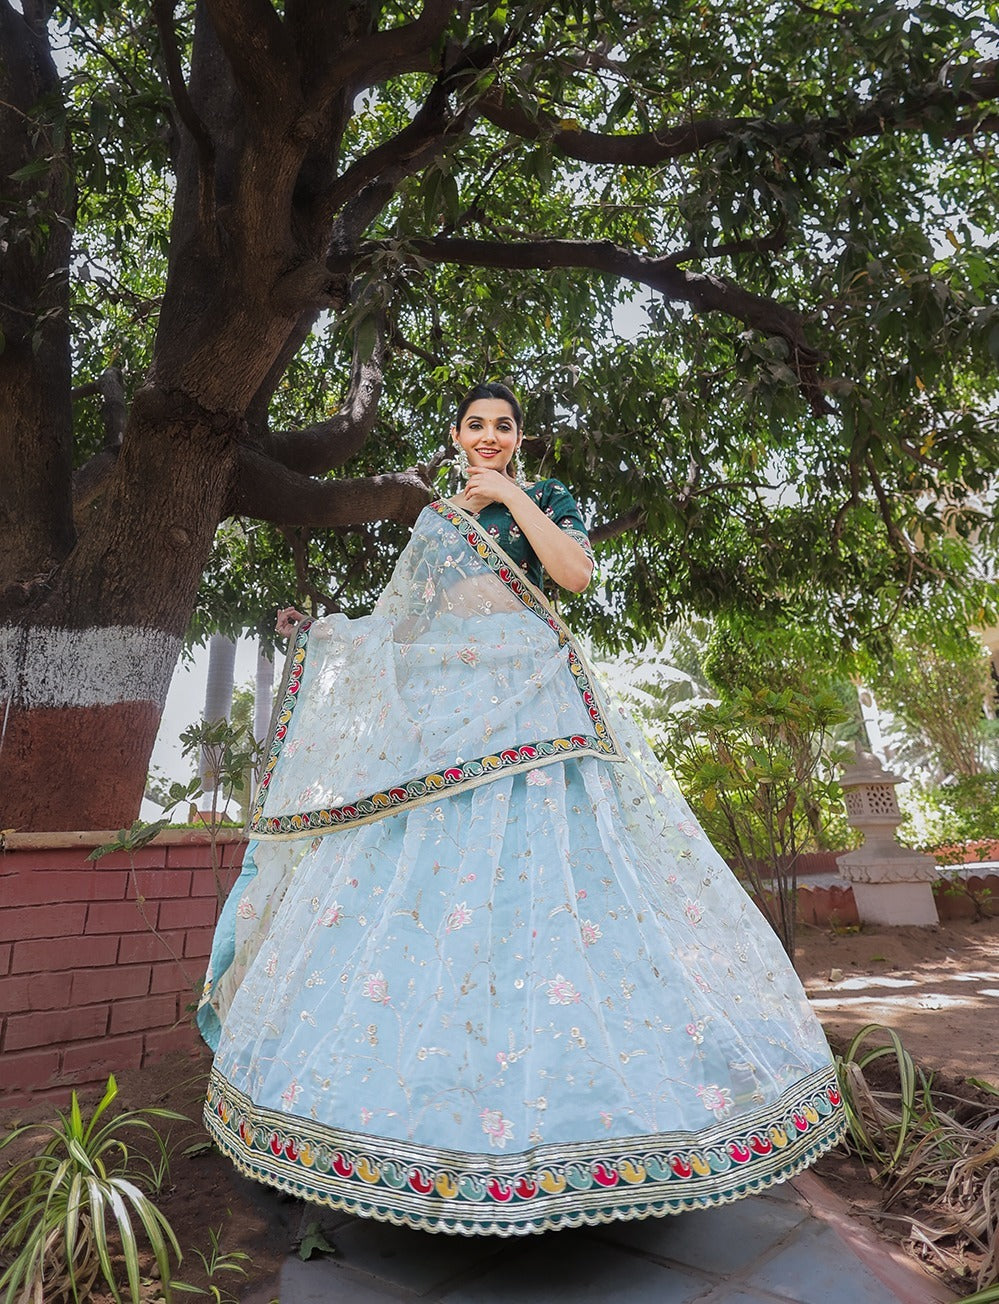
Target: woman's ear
[{"x": 453, "y": 434}]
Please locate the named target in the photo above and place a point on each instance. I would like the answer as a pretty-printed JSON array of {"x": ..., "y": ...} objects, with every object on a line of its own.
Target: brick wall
[{"x": 99, "y": 962}]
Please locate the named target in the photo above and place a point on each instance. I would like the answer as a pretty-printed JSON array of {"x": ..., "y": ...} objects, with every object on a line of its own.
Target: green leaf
[{"x": 314, "y": 1242}]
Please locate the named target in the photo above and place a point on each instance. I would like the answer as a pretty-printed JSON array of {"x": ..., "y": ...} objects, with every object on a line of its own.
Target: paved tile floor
[{"x": 794, "y": 1245}]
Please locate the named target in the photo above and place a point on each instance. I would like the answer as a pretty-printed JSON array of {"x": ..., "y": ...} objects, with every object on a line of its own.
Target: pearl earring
[{"x": 460, "y": 461}]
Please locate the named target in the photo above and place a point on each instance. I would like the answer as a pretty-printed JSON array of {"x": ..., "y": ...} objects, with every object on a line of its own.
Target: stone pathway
[{"x": 794, "y": 1245}]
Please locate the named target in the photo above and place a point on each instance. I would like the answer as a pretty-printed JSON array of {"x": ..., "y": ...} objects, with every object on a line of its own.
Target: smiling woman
[
  {"x": 482, "y": 973},
  {"x": 488, "y": 432}
]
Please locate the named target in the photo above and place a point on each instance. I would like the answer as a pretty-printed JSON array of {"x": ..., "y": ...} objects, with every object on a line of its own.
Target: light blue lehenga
[{"x": 482, "y": 973}]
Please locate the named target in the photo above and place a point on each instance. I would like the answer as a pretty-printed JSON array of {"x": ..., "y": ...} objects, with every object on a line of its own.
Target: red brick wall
[{"x": 87, "y": 987}]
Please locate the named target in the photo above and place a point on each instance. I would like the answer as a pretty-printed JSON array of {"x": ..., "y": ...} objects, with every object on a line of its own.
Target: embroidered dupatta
[{"x": 462, "y": 673}]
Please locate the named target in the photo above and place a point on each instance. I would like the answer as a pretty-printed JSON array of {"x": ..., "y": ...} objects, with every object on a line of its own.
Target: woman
[{"x": 482, "y": 973}]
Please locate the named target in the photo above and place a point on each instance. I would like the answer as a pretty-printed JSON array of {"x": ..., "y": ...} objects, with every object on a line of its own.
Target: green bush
[
  {"x": 952, "y": 815},
  {"x": 758, "y": 770}
]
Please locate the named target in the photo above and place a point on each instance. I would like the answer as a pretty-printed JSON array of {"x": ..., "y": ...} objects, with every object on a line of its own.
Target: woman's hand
[
  {"x": 485, "y": 485},
  {"x": 288, "y": 620}
]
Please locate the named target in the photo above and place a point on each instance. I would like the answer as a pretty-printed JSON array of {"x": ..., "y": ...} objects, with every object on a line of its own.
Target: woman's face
[{"x": 488, "y": 433}]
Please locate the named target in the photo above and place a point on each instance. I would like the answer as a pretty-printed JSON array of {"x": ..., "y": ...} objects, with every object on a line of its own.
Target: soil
[{"x": 938, "y": 988}]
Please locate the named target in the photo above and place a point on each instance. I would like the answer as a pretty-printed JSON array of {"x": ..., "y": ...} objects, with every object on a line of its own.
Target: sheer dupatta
[{"x": 462, "y": 673}]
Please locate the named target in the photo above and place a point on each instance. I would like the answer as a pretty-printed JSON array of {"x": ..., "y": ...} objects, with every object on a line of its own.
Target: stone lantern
[{"x": 891, "y": 884}]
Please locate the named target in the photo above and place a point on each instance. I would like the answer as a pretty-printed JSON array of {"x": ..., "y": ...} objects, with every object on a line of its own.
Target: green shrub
[{"x": 951, "y": 816}]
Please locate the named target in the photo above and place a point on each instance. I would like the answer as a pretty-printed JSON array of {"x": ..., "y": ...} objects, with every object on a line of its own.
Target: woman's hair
[{"x": 490, "y": 389}]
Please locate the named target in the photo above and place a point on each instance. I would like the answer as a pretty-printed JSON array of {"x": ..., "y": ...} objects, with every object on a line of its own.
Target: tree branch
[
  {"x": 762, "y": 244},
  {"x": 114, "y": 409},
  {"x": 111, "y": 388},
  {"x": 386, "y": 54},
  {"x": 617, "y": 525},
  {"x": 163, "y": 11},
  {"x": 642, "y": 149},
  {"x": 319, "y": 448},
  {"x": 703, "y": 292},
  {"x": 262, "y": 58},
  {"x": 432, "y": 123},
  {"x": 645, "y": 149},
  {"x": 268, "y": 491},
  {"x": 88, "y": 482},
  {"x": 372, "y": 179}
]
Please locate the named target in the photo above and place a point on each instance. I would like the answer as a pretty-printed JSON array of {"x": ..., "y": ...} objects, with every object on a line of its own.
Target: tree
[
  {"x": 757, "y": 768},
  {"x": 208, "y": 207},
  {"x": 938, "y": 686}
]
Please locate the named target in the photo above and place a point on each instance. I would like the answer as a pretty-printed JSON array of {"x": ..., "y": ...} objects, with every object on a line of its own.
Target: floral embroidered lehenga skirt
[{"x": 482, "y": 973}]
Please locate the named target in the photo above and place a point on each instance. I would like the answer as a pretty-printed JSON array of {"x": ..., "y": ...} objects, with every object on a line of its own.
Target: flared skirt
[{"x": 539, "y": 1003}]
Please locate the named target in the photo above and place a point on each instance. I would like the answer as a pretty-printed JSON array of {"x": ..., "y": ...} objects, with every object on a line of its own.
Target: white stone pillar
[
  {"x": 891, "y": 883},
  {"x": 218, "y": 706}
]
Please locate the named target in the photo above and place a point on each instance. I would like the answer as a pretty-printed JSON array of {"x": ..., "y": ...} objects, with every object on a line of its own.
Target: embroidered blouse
[{"x": 555, "y": 501}]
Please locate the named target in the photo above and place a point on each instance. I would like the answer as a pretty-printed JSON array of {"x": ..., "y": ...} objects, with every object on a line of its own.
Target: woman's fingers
[{"x": 288, "y": 619}]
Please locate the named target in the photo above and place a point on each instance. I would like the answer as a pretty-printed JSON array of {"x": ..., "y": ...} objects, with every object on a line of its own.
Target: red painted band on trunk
[{"x": 75, "y": 767}]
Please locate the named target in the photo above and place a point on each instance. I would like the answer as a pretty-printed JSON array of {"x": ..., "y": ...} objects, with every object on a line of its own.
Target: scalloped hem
[{"x": 550, "y": 1188}]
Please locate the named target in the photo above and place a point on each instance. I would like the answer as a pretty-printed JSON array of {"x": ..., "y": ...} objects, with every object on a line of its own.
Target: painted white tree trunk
[{"x": 67, "y": 692}]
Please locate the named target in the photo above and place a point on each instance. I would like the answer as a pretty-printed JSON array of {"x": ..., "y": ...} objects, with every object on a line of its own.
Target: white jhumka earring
[
  {"x": 518, "y": 470},
  {"x": 460, "y": 461}
]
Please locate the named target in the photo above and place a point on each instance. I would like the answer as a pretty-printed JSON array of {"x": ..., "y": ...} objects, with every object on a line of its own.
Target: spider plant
[
  {"x": 939, "y": 1150},
  {"x": 56, "y": 1206}
]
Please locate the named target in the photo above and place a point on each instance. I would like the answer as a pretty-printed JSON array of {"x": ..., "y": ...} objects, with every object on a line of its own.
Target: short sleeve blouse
[{"x": 555, "y": 501}]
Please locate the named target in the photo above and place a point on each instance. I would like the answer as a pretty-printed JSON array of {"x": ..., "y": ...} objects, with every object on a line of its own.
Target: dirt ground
[{"x": 939, "y": 988}]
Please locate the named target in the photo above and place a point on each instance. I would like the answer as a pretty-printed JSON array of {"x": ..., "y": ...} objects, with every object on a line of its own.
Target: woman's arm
[{"x": 562, "y": 557}]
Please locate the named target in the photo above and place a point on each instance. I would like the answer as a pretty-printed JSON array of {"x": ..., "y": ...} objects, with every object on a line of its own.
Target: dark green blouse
[{"x": 555, "y": 501}]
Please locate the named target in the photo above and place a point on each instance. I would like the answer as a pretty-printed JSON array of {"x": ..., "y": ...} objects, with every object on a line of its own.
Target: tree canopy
[{"x": 740, "y": 259}]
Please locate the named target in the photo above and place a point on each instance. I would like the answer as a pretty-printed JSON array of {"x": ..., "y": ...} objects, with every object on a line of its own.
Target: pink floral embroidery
[
  {"x": 718, "y": 1100},
  {"x": 696, "y": 1031},
  {"x": 270, "y": 968},
  {"x": 428, "y": 591},
  {"x": 498, "y": 1129},
  {"x": 245, "y": 909},
  {"x": 561, "y": 991},
  {"x": 693, "y": 912},
  {"x": 538, "y": 779},
  {"x": 702, "y": 983},
  {"x": 376, "y": 988},
  {"x": 332, "y": 915},
  {"x": 590, "y": 932},
  {"x": 366, "y": 1116},
  {"x": 469, "y": 656},
  {"x": 689, "y": 828},
  {"x": 291, "y": 1094},
  {"x": 606, "y": 1118},
  {"x": 458, "y": 918}
]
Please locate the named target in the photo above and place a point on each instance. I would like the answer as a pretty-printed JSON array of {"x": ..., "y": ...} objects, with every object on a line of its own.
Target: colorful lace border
[{"x": 549, "y": 1187}]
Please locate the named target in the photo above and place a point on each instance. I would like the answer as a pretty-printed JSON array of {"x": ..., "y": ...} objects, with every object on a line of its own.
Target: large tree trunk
[
  {"x": 84, "y": 676},
  {"x": 36, "y": 522},
  {"x": 90, "y": 643}
]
